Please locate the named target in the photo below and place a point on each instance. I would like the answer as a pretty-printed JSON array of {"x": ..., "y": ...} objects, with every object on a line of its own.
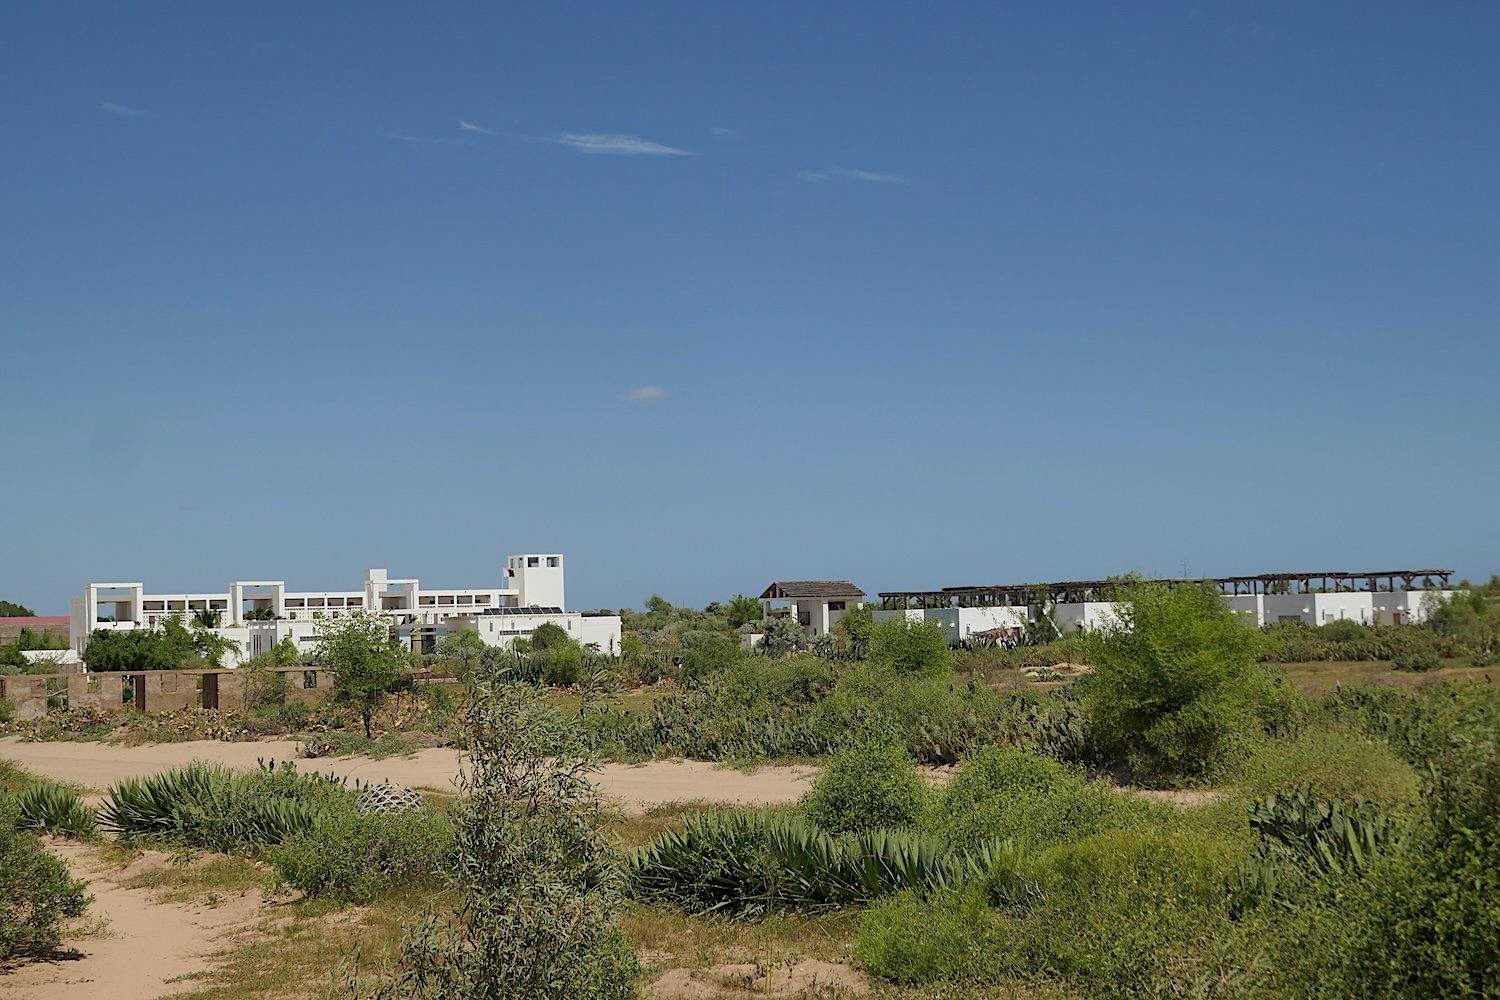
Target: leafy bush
[
  {"x": 354, "y": 857},
  {"x": 911, "y": 646},
  {"x": 914, "y": 940},
  {"x": 7, "y": 710},
  {"x": 1416, "y": 662},
  {"x": 1335, "y": 762},
  {"x": 764, "y": 862},
  {"x": 1033, "y": 801},
  {"x": 872, "y": 786},
  {"x": 539, "y": 889},
  {"x": 1423, "y": 921},
  {"x": 36, "y": 892},
  {"x": 52, "y": 808},
  {"x": 1174, "y": 690},
  {"x": 1119, "y": 913},
  {"x": 706, "y": 652}
]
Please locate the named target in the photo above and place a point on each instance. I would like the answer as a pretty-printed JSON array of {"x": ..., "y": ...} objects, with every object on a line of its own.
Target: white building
[
  {"x": 1385, "y": 598},
  {"x": 255, "y": 615},
  {"x": 815, "y": 604}
]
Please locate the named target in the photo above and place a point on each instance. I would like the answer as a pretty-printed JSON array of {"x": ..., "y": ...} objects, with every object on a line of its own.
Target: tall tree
[{"x": 11, "y": 610}]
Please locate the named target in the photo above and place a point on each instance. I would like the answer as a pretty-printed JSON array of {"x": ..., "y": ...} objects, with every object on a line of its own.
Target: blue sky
[{"x": 707, "y": 295}]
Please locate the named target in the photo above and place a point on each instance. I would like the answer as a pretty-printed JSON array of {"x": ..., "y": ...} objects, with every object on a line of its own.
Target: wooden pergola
[{"x": 1083, "y": 591}]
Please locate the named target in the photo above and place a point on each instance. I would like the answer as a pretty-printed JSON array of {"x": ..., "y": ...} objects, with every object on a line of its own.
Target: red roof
[{"x": 36, "y": 620}]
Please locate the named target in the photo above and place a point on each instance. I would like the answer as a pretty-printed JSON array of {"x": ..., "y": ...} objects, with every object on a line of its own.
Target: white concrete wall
[{"x": 1254, "y": 610}]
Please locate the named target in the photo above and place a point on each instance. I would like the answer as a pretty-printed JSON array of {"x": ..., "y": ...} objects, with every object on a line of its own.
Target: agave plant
[
  {"x": 209, "y": 807},
  {"x": 52, "y": 808},
  {"x": 759, "y": 862}
]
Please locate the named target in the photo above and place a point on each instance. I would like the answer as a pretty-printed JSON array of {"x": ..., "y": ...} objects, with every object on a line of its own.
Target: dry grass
[{"x": 1321, "y": 678}]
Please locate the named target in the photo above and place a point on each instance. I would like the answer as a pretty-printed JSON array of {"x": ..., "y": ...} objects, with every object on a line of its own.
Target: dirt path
[
  {"x": 135, "y": 948},
  {"x": 98, "y": 765}
]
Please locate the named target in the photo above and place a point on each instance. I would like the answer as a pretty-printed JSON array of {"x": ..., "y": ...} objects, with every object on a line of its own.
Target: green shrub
[
  {"x": 872, "y": 786},
  {"x": 911, "y": 646},
  {"x": 704, "y": 653},
  {"x": 1033, "y": 801},
  {"x": 1174, "y": 690},
  {"x": 1423, "y": 922},
  {"x": 7, "y": 710},
  {"x": 294, "y": 714},
  {"x": 1416, "y": 662},
  {"x": 1117, "y": 914},
  {"x": 36, "y": 892},
  {"x": 915, "y": 940},
  {"x": 1335, "y": 762},
  {"x": 354, "y": 858},
  {"x": 48, "y": 807}
]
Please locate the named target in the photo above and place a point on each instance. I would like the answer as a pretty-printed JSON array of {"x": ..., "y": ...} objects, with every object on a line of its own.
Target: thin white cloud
[
  {"x": 646, "y": 394},
  {"x": 725, "y": 133},
  {"x": 471, "y": 127},
  {"x": 617, "y": 145},
  {"x": 120, "y": 109},
  {"x": 843, "y": 174},
  {"x": 423, "y": 140}
]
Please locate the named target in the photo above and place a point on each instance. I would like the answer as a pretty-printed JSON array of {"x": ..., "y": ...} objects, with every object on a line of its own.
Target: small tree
[
  {"x": 463, "y": 647},
  {"x": 365, "y": 658},
  {"x": 539, "y": 886},
  {"x": 911, "y": 646},
  {"x": 548, "y": 635},
  {"x": 854, "y": 629},
  {"x": 742, "y": 610},
  {"x": 1173, "y": 684}
]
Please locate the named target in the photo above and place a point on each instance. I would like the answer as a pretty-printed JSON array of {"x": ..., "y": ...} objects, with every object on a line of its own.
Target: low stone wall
[{"x": 155, "y": 690}]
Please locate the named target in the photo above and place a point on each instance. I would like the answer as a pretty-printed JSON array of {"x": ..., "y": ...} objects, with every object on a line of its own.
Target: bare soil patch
[
  {"x": 741, "y": 980},
  {"x": 635, "y": 788},
  {"x": 135, "y": 947}
]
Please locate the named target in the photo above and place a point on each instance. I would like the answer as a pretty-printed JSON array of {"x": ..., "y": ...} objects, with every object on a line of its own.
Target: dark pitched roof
[{"x": 811, "y": 588}]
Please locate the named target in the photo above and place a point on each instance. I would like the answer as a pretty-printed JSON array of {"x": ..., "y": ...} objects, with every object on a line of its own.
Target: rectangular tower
[{"x": 538, "y": 580}]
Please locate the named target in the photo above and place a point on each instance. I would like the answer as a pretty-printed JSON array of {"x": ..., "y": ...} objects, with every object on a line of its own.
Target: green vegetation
[
  {"x": 47, "y": 807},
  {"x": 539, "y": 888},
  {"x": 37, "y": 895},
  {"x": 871, "y": 786},
  {"x": 755, "y": 863},
  {"x": 171, "y": 647},
  {"x": 1174, "y": 690},
  {"x": 9, "y": 609},
  {"x": 366, "y": 660},
  {"x": 910, "y": 646}
]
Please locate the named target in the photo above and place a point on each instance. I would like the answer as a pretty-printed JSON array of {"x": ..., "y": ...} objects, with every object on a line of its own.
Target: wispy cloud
[
  {"x": 423, "y": 140},
  {"x": 725, "y": 133},
  {"x": 120, "y": 109},
  {"x": 617, "y": 145},
  {"x": 471, "y": 127},
  {"x": 843, "y": 174},
  {"x": 646, "y": 394}
]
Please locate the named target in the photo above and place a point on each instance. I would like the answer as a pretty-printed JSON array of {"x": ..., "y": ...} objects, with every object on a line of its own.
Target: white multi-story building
[
  {"x": 255, "y": 615},
  {"x": 1384, "y": 598}
]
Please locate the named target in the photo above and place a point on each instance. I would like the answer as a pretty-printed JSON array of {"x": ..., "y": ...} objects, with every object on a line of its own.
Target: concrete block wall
[
  {"x": 27, "y": 695},
  {"x": 155, "y": 690},
  {"x": 98, "y": 690}
]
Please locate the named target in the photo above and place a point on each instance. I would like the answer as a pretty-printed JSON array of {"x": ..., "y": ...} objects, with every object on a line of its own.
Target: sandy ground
[
  {"x": 724, "y": 981},
  {"x": 96, "y": 766},
  {"x": 133, "y": 948}
]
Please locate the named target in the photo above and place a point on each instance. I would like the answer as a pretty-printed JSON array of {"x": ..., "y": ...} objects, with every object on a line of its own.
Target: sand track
[
  {"x": 96, "y": 766},
  {"x": 134, "y": 948}
]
